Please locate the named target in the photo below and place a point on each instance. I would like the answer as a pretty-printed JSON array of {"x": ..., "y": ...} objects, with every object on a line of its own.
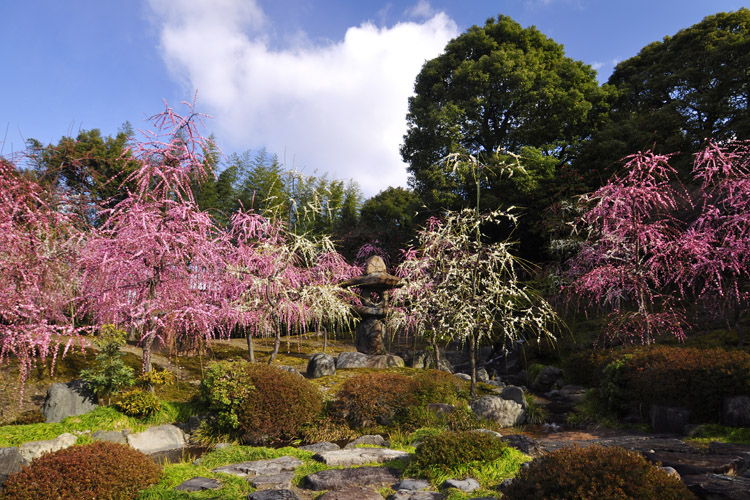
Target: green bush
[
  {"x": 374, "y": 398},
  {"x": 438, "y": 386},
  {"x": 697, "y": 379},
  {"x": 110, "y": 374},
  {"x": 101, "y": 470},
  {"x": 449, "y": 450},
  {"x": 586, "y": 367},
  {"x": 139, "y": 403},
  {"x": 595, "y": 473},
  {"x": 260, "y": 401}
]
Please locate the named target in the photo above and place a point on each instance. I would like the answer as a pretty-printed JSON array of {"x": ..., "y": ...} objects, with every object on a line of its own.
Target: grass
[{"x": 706, "y": 433}]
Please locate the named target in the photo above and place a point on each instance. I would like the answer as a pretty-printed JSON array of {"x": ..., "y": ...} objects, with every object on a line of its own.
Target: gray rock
[
  {"x": 505, "y": 484},
  {"x": 358, "y": 456},
  {"x": 261, "y": 467},
  {"x": 445, "y": 365},
  {"x": 441, "y": 408},
  {"x": 369, "y": 439},
  {"x": 669, "y": 419},
  {"x": 488, "y": 431},
  {"x": 273, "y": 495},
  {"x": 514, "y": 393},
  {"x": 158, "y": 438},
  {"x": 290, "y": 369},
  {"x": 482, "y": 375},
  {"x": 111, "y": 436},
  {"x": 10, "y": 461},
  {"x": 412, "y": 484},
  {"x": 67, "y": 400},
  {"x": 361, "y": 360},
  {"x": 718, "y": 486},
  {"x": 354, "y": 493},
  {"x": 573, "y": 393},
  {"x": 421, "y": 360},
  {"x": 463, "y": 376},
  {"x": 338, "y": 479},
  {"x": 524, "y": 444},
  {"x": 737, "y": 411},
  {"x": 321, "y": 365},
  {"x": 280, "y": 481},
  {"x": 468, "y": 485},
  {"x": 322, "y": 446},
  {"x": 547, "y": 378},
  {"x": 416, "y": 495},
  {"x": 198, "y": 484},
  {"x": 35, "y": 449},
  {"x": 671, "y": 471},
  {"x": 504, "y": 412}
]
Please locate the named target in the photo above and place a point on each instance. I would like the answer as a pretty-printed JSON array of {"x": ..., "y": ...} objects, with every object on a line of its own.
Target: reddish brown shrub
[
  {"x": 595, "y": 473},
  {"x": 102, "y": 470},
  {"x": 374, "y": 398}
]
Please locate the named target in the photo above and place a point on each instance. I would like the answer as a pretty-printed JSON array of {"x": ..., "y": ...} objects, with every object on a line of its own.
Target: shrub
[
  {"x": 374, "y": 398},
  {"x": 101, "y": 470},
  {"x": 110, "y": 374},
  {"x": 586, "y": 367},
  {"x": 438, "y": 386},
  {"x": 139, "y": 403},
  {"x": 698, "y": 379},
  {"x": 448, "y": 450},
  {"x": 592, "y": 473},
  {"x": 261, "y": 401}
]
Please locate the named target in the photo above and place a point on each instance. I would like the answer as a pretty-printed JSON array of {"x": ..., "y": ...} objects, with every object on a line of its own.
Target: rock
[
  {"x": 290, "y": 369},
  {"x": 354, "y": 493},
  {"x": 412, "y": 484},
  {"x": 338, "y": 479},
  {"x": 280, "y": 481},
  {"x": 261, "y": 467},
  {"x": 441, "y": 408},
  {"x": 322, "y": 446},
  {"x": 375, "y": 264},
  {"x": 524, "y": 444},
  {"x": 198, "y": 484},
  {"x": 369, "y": 439},
  {"x": 361, "y": 360},
  {"x": 416, "y": 495},
  {"x": 11, "y": 461},
  {"x": 496, "y": 409},
  {"x": 482, "y": 375},
  {"x": 445, "y": 365},
  {"x": 35, "y": 449},
  {"x": 67, "y": 400},
  {"x": 574, "y": 393},
  {"x": 515, "y": 393},
  {"x": 321, "y": 365},
  {"x": 358, "y": 456},
  {"x": 468, "y": 485},
  {"x": 421, "y": 360},
  {"x": 463, "y": 376},
  {"x": 488, "y": 431},
  {"x": 668, "y": 419},
  {"x": 547, "y": 378},
  {"x": 671, "y": 471},
  {"x": 737, "y": 411},
  {"x": 273, "y": 495},
  {"x": 111, "y": 436},
  {"x": 158, "y": 438},
  {"x": 505, "y": 484},
  {"x": 717, "y": 486}
]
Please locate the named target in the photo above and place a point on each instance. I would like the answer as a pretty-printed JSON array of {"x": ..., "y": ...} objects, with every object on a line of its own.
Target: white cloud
[
  {"x": 422, "y": 10},
  {"x": 338, "y": 108}
]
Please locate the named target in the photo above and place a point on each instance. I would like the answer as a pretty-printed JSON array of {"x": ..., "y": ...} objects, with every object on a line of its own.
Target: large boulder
[
  {"x": 320, "y": 365},
  {"x": 361, "y": 360},
  {"x": 68, "y": 400},
  {"x": 514, "y": 393},
  {"x": 504, "y": 412},
  {"x": 159, "y": 438},
  {"x": 10, "y": 461},
  {"x": 339, "y": 479},
  {"x": 737, "y": 411},
  {"x": 547, "y": 378}
]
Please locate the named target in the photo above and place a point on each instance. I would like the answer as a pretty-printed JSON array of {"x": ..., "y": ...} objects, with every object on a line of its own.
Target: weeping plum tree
[
  {"x": 282, "y": 281},
  {"x": 37, "y": 287},
  {"x": 157, "y": 265},
  {"x": 713, "y": 254},
  {"x": 623, "y": 266},
  {"x": 461, "y": 287}
]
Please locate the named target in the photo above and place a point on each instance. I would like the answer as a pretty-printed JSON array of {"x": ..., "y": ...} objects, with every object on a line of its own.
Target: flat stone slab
[
  {"x": 716, "y": 486},
  {"x": 273, "y": 495},
  {"x": 338, "y": 479},
  {"x": 692, "y": 463},
  {"x": 261, "y": 467},
  {"x": 468, "y": 485},
  {"x": 198, "y": 484},
  {"x": 358, "y": 456},
  {"x": 416, "y": 495},
  {"x": 158, "y": 438},
  {"x": 361, "y": 360},
  {"x": 110, "y": 436},
  {"x": 280, "y": 481},
  {"x": 368, "y": 440},
  {"x": 355, "y": 493},
  {"x": 412, "y": 484}
]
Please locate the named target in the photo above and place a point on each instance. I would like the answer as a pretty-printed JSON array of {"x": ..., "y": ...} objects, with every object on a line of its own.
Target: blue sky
[{"x": 323, "y": 84}]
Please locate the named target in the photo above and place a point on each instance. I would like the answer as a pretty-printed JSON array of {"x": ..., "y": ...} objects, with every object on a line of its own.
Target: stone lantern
[{"x": 373, "y": 286}]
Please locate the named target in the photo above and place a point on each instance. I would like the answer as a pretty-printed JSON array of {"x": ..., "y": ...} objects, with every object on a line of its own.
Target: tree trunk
[
  {"x": 250, "y": 347},
  {"x": 738, "y": 326},
  {"x": 147, "y": 367},
  {"x": 473, "y": 366},
  {"x": 276, "y": 344},
  {"x": 435, "y": 349}
]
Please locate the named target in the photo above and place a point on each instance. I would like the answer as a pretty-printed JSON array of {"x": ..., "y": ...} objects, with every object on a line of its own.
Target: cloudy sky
[{"x": 321, "y": 83}]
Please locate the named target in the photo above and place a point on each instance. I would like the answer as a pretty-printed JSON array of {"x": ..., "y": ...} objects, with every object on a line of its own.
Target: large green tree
[
  {"x": 676, "y": 93},
  {"x": 496, "y": 87}
]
